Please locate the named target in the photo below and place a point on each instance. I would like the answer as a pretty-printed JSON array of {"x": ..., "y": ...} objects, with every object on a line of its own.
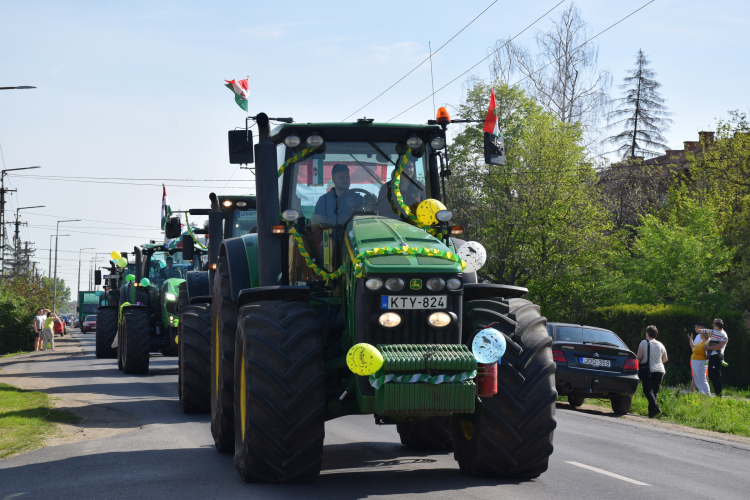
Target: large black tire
[
  {"x": 106, "y": 331},
  {"x": 431, "y": 434},
  {"x": 172, "y": 349},
  {"x": 280, "y": 392},
  {"x": 119, "y": 346},
  {"x": 576, "y": 401},
  {"x": 621, "y": 404},
  {"x": 223, "y": 333},
  {"x": 136, "y": 341},
  {"x": 182, "y": 298},
  {"x": 510, "y": 434},
  {"x": 194, "y": 377}
]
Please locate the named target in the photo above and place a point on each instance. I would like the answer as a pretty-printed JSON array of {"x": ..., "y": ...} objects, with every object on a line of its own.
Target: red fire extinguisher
[{"x": 486, "y": 379}]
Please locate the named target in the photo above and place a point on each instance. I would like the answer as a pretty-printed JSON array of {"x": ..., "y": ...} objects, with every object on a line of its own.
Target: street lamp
[
  {"x": 49, "y": 272},
  {"x": 54, "y": 293},
  {"x": 2, "y": 210},
  {"x": 79, "y": 267},
  {"x": 20, "y": 87},
  {"x": 24, "y": 208}
]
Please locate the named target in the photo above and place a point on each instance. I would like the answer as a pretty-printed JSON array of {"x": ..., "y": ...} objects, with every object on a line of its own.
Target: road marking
[{"x": 607, "y": 473}]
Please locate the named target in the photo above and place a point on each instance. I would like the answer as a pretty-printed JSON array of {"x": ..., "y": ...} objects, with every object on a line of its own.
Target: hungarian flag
[
  {"x": 494, "y": 147},
  {"x": 240, "y": 89},
  {"x": 166, "y": 210}
]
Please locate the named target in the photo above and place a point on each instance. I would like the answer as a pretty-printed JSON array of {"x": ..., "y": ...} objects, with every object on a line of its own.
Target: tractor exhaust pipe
[
  {"x": 270, "y": 246},
  {"x": 215, "y": 229}
]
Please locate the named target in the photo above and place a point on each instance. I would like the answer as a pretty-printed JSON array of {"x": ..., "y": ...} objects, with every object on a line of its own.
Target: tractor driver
[
  {"x": 338, "y": 205},
  {"x": 169, "y": 271}
]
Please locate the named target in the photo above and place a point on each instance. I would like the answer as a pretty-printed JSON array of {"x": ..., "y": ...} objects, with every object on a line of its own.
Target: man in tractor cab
[
  {"x": 170, "y": 271},
  {"x": 338, "y": 205},
  {"x": 411, "y": 189}
]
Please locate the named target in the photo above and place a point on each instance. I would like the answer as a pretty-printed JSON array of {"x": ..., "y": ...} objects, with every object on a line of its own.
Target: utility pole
[
  {"x": 79, "y": 267},
  {"x": 3, "y": 173},
  {"x": 54, "y": 293}
]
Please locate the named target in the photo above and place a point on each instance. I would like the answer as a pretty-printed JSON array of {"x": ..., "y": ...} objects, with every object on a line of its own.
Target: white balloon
[{"x": 473, "y": 254}]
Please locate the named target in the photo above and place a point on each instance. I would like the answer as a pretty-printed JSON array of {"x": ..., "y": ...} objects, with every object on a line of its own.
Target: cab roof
[{"x": 359, "y": 130}]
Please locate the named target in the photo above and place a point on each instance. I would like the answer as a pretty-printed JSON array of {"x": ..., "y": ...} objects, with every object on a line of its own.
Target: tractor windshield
[
  {"x": 353, "y": 177},
  {"x": 164, "y": 266},
  {"x": 243, "y": 221}
]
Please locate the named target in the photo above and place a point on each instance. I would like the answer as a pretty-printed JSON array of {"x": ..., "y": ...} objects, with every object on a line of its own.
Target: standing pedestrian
[
  {"x": 651, "y": 357},
  {"x": 715, "y": 347},
  {"x": 49, "y": 335},
  {"x": 698, "y": 362},
  {"x": 38, "y": 327}
]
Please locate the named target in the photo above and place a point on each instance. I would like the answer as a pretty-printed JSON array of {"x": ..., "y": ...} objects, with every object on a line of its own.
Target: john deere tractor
[
  {"x": 228, "y": 217},
  {"x": 351, "y": 298},
  {"x": 148, "y": 318},
  {"x": 106, "y": 316}
]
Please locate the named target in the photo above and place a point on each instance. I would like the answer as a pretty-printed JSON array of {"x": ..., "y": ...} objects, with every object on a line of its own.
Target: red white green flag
[
  {"x": 490, "y": 122},
  {"x": 166, "y": 210},
  {"x": 240, "y": 89}
]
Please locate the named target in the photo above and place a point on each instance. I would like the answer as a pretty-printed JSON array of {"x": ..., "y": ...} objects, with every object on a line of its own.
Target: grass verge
[
  {"x": 26, "y": 418},
  {"x": 13, "y": 354},
  {"x": 728, "y": 415}
]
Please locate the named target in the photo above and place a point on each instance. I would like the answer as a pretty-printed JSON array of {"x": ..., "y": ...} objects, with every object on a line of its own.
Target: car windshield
[
  {"x": 243, "y": 221},
  {"x": 568, "y": 334},
  {"x": 602, "y": 336},
  {"x": 90, "y": 318},
  {"x": 352, "y": 177}
]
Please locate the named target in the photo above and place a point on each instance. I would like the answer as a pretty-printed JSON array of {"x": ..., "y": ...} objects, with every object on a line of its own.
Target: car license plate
[
  {"x": 605, "y": 363},
  {"x": 413, "y": 302}
]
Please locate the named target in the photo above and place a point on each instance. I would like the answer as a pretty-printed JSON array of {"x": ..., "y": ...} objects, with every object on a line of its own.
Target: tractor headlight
[
  {"x": 439, "y": 319},
  {"x": 435, "y": 284},
  {"x": 292, "y": 141},
  {"x": 394, "y": 284},
  {"x": 444, "y": 215},
  {"x": 314, "y": 140},
  {"x": 389, "y": 320},
  {"x": 290, "y": 215},
  {"x": 227, "y": 203},
  {"x": 171, "y": 296},
  {"x": 414, "y": 142},
  {"x": 437, "y": 143},
  {"x": 373, "y": 284},
  {"x": 454, "y": 283},
  {"x": 241, "y": 204}
]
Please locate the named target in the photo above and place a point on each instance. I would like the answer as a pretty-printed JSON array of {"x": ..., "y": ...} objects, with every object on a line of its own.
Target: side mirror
[
  {"x": 97, "y": 277},
  {"x": 173, "y": 229},
  {"x": 494, "y": 149},
  {"x": 240, "y": 146},
  {"x": 188, "y": 247}
]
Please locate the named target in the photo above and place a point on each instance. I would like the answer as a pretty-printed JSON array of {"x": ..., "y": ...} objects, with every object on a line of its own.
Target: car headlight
[
  {"x": 394, "y": 284},
  {"x": 171, "y": 296},
  {"x": 439, "y": 319},
  {"x": 373, "y": 284},
  {"x": 435, "y": 284},
  {"x": 389, "y": 320},
  {"x": 454, "y": 283}
]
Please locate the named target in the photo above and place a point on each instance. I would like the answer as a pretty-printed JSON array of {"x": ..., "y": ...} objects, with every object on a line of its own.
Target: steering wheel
[{"x": 361, "y": 208}]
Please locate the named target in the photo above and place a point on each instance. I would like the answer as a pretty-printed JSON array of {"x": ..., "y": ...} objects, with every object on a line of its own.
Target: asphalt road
[{"x": 172, "y": 455}]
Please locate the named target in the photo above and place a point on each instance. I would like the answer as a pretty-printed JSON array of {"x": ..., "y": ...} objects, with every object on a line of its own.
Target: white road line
[{"x": 607, "y": 473}]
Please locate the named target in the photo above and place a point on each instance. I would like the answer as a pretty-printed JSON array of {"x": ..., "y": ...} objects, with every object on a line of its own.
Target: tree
[
  {"x": 641, "y": 112},
  {"x": 539, "y": 216},
  {"x": 563, "y": 77}
]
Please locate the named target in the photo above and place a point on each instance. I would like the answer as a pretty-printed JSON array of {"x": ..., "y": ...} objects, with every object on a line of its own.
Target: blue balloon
[
  {"x": 105, "y": 303},
  {"x": 162, "y": 264},
  {"x": 488, "y": 346},
  {"x": 98, "y": 293}
]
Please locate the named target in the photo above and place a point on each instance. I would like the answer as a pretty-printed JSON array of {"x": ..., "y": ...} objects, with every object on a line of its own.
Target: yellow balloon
[
  {"x": 364, "y": 359},
  {"x": 115, "y": 255},
  {"x": 427, "y": 209}
]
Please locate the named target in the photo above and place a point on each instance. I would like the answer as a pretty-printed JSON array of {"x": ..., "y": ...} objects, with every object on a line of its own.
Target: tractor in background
[
  {"x": 354, "y": 297},
  {"x": 107, "y": 313}
]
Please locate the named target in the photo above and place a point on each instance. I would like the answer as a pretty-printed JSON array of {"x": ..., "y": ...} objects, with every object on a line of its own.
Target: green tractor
[
  {"x": 350, "y": 298},
  {"x": 106, "y": 316},
  {"x": 148, "y": 318},
  {"x": 228, "y": 217}
]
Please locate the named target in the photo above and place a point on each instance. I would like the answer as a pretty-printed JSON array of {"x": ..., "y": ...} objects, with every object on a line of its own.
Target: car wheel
[
  {"x": 575, "y": 401},
  {"x": 621, "y": 404}
]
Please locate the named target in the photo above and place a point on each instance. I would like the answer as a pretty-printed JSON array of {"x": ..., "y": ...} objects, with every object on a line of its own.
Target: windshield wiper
[{"x": 599, "y": 342}]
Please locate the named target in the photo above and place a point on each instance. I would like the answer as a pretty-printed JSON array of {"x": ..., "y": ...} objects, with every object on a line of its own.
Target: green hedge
[
  {"x": 16, "y": 329},
  {"x": 674, "y": 322}
]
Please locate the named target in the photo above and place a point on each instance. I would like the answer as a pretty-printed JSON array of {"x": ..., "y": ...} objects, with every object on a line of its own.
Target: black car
[{"x": 593, "y": 363}]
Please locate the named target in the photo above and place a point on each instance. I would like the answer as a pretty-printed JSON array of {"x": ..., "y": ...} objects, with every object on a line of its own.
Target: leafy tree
[
  {"x": 539, "y": 216},
  {"x": 641, "y": 112}
]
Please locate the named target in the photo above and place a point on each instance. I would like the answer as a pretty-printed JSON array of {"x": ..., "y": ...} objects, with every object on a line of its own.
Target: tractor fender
[
  {"x": 198, "y": 290},
  {"x": 474, "y": 291},
  {"x": 242, "y": 260},
  {"x": 278, "y": 292}
]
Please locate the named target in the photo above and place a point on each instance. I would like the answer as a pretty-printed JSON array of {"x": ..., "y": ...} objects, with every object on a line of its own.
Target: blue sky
[{"x": 134, "y": 89}]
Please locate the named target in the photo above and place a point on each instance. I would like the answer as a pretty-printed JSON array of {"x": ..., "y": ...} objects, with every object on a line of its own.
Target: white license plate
[
  {"x": 413, "y": 302},
  {"x": 596, "y": 362}
]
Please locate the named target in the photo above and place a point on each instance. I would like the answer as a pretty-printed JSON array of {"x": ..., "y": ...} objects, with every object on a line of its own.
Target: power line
[
  {"x": 99, "y": 234},
  {"x": 420, "y": 64},
  {"x": 480, "y": 62},
  {"x": 126, "y": 178},
  {"x": 90, "y": 220},
  {"x": 39, "y": 177}
]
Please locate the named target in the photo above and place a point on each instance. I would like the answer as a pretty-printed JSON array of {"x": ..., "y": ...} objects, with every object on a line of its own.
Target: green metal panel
[
  {"x": 411, "y": 358},
  {"x": 251, "y": 251}
]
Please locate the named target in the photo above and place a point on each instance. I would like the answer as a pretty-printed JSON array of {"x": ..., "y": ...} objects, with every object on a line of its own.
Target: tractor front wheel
[
  {"x": 279, "y": 393},
  {"x": 136, "y": 341},
  {"x": 106, "y": 331},
  {"x": 194, "y": 376},
  {"x": 431, "y": 434},
  {"x": 510, "y": 434}
]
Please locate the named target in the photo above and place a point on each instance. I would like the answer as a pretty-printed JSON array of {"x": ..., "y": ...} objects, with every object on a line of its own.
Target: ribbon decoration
[
  {"x": 308, "y": 260},
  {"x": 302, "y": 155},
  {"x": 119, "y": 318},
  {"x": 405, "y": 250},
  {"x": 412, "y": 218},
  {"x": 190, "y": 232},
  {"x": 377, "y": 382}
]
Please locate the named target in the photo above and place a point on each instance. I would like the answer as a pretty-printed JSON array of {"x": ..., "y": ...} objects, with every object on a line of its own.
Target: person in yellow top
[
  {"x": 48, "y": 334},
  {"x": 698, "y": 363}
]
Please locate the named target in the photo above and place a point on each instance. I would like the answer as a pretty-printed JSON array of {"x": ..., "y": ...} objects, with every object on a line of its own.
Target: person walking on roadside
[
  {"x": 651, "y": 358},
  {"x": 48, "y": 332},
  {"x": 715, "y": 347},
  {"x": 698, "y": 362},
  {"x": 38, "y": 327}
]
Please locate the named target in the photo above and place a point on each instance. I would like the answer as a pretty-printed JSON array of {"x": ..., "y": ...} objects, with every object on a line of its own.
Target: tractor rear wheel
[
  {"x": 136, "y": 341},
  {"x": 106, "y": 331},
  {"x": 194, "y": 375},
  {"x": 120, "y": 347},
  {"x": 279, "y": 393},
  {"x": 223, "y": 333},
  {"x": 510, "y": 434},
  {"x": 431, "y": 434}
]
